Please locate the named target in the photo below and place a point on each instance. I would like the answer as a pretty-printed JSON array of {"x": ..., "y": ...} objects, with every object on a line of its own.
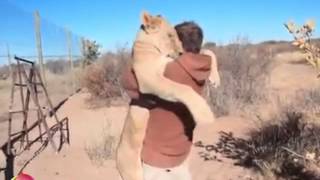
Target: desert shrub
[
  {"x": 302, "y": 39},
  {"x": 311, "y": 49},
  {"x": 102, "y": 79},
  {"x": 277, "y": 47},
  {"x": 210, "y": 45},
  {"x": 244, "y": 71},
  {"x": 289, "y": 148},
  {"x": 90, "y": 52},
  {"x": 306, "y": 101},
  {"x": 102, "y": 149},
  {"x": 57, "y": 66},
  {"x": 5, "y": 85},
  {"x": 4, "y": 72}
]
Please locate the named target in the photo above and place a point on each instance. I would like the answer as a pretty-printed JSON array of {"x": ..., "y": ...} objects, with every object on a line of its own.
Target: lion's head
[{"x": 157, "y": 32}]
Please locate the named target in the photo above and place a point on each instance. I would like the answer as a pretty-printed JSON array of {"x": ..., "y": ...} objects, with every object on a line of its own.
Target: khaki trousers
[{"x": 176, "y": 173}]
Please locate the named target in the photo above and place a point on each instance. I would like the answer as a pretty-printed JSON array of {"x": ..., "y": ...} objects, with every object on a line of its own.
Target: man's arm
[{"x": 130, "y": 84}]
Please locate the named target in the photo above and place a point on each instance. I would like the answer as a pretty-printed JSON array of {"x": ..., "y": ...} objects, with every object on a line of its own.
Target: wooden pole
[
  {"x": 9, "y": 59},
  {"x": 37, "y": 24},
  {"x": 69, "y": 49},
  {"x": 83, "y": 52}
]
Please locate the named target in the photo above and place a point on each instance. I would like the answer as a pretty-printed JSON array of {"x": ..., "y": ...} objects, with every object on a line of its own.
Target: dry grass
[
  {"x": 306, "y": 101},
  {"x": 4, "y": 72},
  {"x": 102, "y": 79},
  {"x": 60, "y": 66},
  {"x": 4, "y": 97},
  {"x": 286, "y": 149},
  {"x": 102, "y": 149},
  {"x": 59, "y": 86},
  {"x": 285, "y": 146},
  {"x": 244, "y": 72}
]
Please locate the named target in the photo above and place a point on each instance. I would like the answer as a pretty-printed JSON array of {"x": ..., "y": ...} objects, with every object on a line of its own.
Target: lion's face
[{"x": 158, "y": 32}]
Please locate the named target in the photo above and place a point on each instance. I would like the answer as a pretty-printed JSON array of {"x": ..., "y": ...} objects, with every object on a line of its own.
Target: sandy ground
[
  {"x": 72, "y": 162},
  {"x": 291, "y": 73},
  {"x": 89, "y": 125}
]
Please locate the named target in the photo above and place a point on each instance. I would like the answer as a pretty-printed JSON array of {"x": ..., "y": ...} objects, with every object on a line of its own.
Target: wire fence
[{"x": 57, "y": 50}]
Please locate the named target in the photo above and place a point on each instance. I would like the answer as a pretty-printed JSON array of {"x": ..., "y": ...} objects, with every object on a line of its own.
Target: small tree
[
  {"x": 302, "y": 40},
  {"x": 90, "y": 51}
]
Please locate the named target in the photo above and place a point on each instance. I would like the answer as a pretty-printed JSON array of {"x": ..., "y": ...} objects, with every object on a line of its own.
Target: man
[{"x": 169, "y": 133}]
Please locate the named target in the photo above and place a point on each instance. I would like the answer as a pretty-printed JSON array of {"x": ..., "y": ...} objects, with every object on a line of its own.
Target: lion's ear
[
  {"x": 157, "y": 21},
  {"x": 146, "y": 18}
]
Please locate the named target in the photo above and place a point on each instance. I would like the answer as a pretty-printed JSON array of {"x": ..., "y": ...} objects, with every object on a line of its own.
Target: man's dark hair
[{"x": 191, "y": 36}]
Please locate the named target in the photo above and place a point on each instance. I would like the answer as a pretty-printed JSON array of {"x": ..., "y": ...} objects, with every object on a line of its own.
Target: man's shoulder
[
  {"x": 189, "y": 65},
  {"x": 195, "y": 61}
]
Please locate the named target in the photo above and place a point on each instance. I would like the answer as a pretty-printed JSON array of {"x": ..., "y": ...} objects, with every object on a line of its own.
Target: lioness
[{"x": 155, "y": 41}]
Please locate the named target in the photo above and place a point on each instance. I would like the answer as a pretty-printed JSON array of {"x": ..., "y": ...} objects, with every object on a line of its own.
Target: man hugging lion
[{"x": 169, "y": 133}]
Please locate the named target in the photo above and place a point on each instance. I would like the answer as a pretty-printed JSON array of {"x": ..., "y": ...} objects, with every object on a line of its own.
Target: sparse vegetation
[
  {"x": 60, "y": 66},
  {"x": 4, "y": 98},
  {"x": 4, "y": 72},
  {"x": 244, "y": 73},
  {"x": 102, "y": 79},
  {"x": 103, "y": 148},
  {"x": 307, "y": 102},
  {"x": 286, "y": 146},
  {"x": 286, "y": 149}
]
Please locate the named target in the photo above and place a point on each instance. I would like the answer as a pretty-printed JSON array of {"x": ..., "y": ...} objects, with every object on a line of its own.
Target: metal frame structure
[{"x": 27, "y": 82}]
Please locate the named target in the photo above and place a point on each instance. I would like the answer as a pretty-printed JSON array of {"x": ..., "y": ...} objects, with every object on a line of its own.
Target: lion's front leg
[
  {"x": 151, "y": 80},
  {"x": 196, "y": 104},
  {"x": 131, "y": 142},
  {"x": 173, "y": 91},
  {"x": 149, "y": 75}
]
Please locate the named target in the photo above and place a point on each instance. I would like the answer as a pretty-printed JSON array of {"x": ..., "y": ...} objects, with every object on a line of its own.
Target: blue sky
[{"x": 114, "y": 22}]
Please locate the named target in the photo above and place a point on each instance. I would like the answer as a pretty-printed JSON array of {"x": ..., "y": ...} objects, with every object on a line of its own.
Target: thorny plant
[
  {"x": 302, "y": 39},
  {"x": 289, "y": 149}
]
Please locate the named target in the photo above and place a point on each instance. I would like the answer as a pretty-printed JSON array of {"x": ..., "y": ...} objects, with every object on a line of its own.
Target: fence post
[
  {"x": 83, "y": 52},
  {"x": 9, "y": 59},
  {"x": 69, "y": 49},
  {"x": 39, "y": 45}
]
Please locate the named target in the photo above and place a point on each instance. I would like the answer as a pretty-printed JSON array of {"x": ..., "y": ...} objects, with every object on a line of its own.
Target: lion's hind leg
[{"x": 130, "y": 146}]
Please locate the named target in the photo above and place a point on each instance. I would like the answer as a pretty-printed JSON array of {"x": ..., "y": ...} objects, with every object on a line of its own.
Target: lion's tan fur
[
  {"x": 149, "y": 61},
  {"x": 128, "y": 153},
  {"x": 2, "y": 160},
  {"x": 214, "y": 76}
]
